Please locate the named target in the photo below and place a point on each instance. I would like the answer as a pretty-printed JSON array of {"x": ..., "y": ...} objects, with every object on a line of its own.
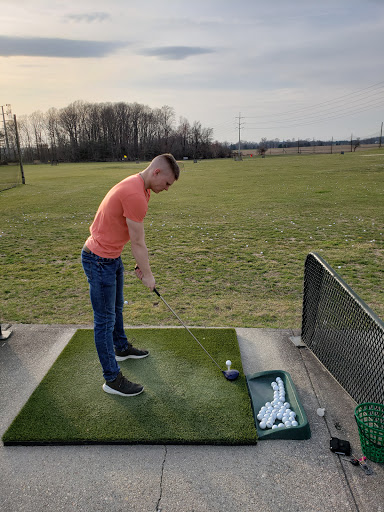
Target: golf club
[{"x": 228, "y": 374}]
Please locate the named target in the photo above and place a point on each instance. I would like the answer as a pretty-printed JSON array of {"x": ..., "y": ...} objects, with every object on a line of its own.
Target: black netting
[
  {"x": 342, "y": 331},
  {"x": 10, "y": 176}
]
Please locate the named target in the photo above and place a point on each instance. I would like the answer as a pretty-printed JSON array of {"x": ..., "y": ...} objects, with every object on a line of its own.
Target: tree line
[
  {"x": 84, "y": 131},
  {"x": 290, "y": 143}
]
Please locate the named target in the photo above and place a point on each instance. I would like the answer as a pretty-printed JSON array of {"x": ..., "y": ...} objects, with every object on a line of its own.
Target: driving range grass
[{"x": 227, "y": 242}]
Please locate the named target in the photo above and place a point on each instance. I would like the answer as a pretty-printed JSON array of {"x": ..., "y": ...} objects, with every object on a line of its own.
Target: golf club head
[{"x": 231, "y": 374}]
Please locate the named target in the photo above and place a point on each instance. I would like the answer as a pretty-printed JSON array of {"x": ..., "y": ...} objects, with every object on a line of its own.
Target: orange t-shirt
[{"x": 109, "y": 230}]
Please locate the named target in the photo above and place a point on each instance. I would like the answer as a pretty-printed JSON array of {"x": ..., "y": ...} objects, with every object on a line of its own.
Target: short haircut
[{"x": 173, "y": 165}]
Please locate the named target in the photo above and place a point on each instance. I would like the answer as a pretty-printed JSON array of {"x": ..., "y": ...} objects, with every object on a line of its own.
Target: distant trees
[
  {"x": 84, "y": 131},
  {"x": 266, "y": 144},
  {"x": 262, "y": 147}
]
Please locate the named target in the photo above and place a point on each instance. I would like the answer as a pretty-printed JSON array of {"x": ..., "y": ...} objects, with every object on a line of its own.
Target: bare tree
[
  {"x": 184, "y": 135},
  {"x": 53, "y": 129},
  {"x": 70, "y": 120},
  {"x": 206, "y": 141},
  {"x": 196, "y": 139},
  {"x": 38, "y": 127},
  {"x": 166, "y": 116},
  {"x": 147, "y": 131},
  {"x": 263, "y": 146}
]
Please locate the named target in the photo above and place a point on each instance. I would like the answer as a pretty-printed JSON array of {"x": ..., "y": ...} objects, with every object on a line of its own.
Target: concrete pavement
[{"x": 291, "y": 475}]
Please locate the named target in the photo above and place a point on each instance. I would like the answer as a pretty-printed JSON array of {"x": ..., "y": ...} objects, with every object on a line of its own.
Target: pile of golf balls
[{"x": 277, "y": 410}]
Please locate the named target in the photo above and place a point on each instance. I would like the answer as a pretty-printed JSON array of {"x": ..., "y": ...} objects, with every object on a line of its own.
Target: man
[{"x": 119, "y": 219}]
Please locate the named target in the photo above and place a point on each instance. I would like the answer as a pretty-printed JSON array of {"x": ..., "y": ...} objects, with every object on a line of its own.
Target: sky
[{"x": 303, "y": 69}]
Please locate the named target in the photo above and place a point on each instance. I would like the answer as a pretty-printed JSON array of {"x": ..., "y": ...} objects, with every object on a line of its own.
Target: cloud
[
  {"x": 176, "y": 52},
  {"x": 55, "y": 47},
  {"x": 88, "y": 17}
]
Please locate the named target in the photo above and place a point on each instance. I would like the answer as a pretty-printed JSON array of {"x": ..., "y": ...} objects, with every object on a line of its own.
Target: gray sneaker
[
  {"x": 123, "y": 387},
  {"x": 131, "y": 353}
]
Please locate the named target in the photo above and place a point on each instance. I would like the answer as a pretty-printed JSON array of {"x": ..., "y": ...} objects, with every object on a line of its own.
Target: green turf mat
[{"x": 186, "y": 400}]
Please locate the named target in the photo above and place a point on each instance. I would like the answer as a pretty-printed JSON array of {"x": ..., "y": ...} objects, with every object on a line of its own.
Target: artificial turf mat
[{"x": 186, "y": 400}]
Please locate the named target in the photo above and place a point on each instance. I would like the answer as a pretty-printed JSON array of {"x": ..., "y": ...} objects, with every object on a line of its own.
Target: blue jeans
[{"x": 106, "y": 279}]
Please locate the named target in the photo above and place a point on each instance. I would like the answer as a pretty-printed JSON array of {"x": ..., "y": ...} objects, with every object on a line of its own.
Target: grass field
[{"x": 227, "y": 242}]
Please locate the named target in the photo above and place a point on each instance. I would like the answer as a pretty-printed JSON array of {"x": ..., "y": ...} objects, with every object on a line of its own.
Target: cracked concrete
[
  {"x": 158, "y": 506},
  {"x": 301, "y": 476}
]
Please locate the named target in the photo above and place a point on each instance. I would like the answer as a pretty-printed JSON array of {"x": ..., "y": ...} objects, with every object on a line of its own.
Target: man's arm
[{"x": 140, "y": 253}]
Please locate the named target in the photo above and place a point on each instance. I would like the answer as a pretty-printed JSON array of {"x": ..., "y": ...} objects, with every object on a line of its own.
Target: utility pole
[
  {"x": 5, "y": 127},
  {"x": 332, "y": 146},
  {"x": 381, "y": 133},
  {"x": 19, "y": 151},
  {"x": 239, "y": 126},
  {"x": 351, "y": 142}
]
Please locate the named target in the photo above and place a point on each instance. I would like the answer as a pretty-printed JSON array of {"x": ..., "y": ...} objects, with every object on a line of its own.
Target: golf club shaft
[{"x": 182, "y": 323}]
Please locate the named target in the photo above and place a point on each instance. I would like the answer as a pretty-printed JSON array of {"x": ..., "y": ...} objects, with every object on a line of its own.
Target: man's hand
[
  {"x": 138, "y": 272},
  {"x": 148, "y": 281}
]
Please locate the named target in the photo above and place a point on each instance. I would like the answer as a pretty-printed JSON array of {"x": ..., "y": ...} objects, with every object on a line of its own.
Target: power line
[
  {"x": 316, "y": 120},
  {"x": 312, "y": 115},
  {"x": 353, "y": 103},
  {"x": 351, "y": 109},
  {"x": 379, "y": 85}
]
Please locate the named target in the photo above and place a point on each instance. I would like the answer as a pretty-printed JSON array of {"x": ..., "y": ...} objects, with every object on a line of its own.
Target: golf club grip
[{"x": 157, "y": 293}]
